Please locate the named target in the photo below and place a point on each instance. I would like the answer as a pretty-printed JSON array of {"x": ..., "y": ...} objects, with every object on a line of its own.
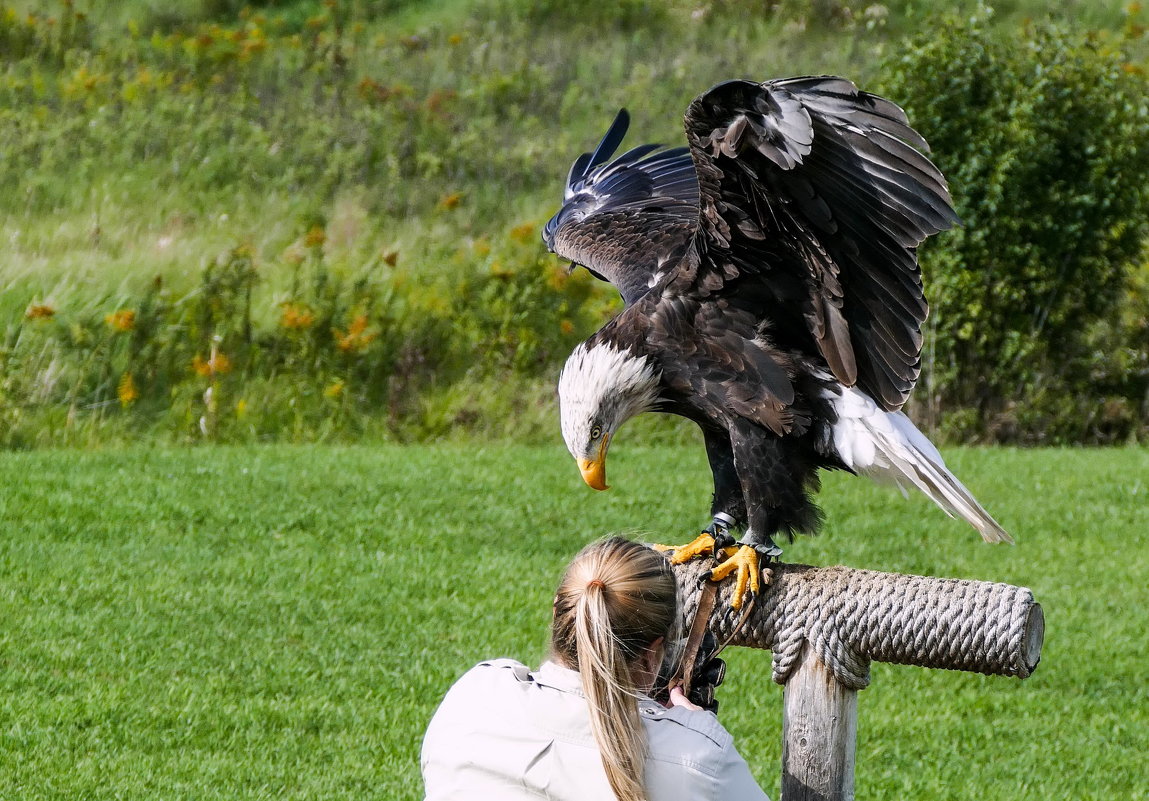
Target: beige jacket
[{"x": 504, "y": 732}]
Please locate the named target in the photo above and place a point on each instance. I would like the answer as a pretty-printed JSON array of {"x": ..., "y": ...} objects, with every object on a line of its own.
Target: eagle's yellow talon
[
  {"x": 701, "y": 545},
  {"x": 740, "y": 558},
  {"x": 744, "y": 560}
]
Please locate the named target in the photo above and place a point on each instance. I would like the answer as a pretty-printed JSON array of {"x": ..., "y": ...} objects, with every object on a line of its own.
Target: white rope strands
[{"x": 851, "y": 617}]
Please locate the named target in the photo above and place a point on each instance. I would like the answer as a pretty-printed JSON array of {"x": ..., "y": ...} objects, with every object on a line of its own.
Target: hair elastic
[{"x": 595, "y": 583}]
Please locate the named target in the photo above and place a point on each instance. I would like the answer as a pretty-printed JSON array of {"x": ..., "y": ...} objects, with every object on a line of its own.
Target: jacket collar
[{"x": 552, "y": 674}]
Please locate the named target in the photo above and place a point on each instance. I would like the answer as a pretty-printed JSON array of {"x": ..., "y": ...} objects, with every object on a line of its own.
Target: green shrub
[{"x": 1043, "y": 141}]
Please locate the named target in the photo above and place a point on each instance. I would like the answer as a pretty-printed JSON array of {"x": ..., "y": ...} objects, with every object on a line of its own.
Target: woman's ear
[
  {"x": 655, "y": 651},
  {"x": 649, "y": 663}
]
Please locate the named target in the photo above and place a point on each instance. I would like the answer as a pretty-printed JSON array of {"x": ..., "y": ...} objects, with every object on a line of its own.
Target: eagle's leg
[
  {"x": 713, "y": 540},
  {"x": 773, "y": 486},
  {"x": 728, "y": 508}
]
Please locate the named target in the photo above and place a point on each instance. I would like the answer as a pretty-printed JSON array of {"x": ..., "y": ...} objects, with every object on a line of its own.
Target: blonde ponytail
[{"x": 616, "y": 599}]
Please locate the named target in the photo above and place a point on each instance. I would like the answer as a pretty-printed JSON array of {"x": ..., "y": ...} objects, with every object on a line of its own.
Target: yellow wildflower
[
  {"x": 216, "y": 364},
  {"x": 315, "y": 237},
  {"x": 367, "y": 88},
  {"x": 127, "y": 391},
  {"x": 296, "y": 316},
  {"x": 523, "y": 233},
  {"x": 448, "y": 202},
  {"x": 334, "y": 389},
  {"x": 566, "y": 326},
  {"x": 440, "y": 98},
  {"x": 356, "y": 338},
  {"x": 40, "y": 311},
  {"x": 122, "y": 320},
  {"x": 454, "y": 39},
  {"x": 371, "y": 89},
  {"x": 557, "y": 277}
]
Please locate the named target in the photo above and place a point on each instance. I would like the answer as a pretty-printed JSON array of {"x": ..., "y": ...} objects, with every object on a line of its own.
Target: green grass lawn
[{"x": 280, "y": 622}]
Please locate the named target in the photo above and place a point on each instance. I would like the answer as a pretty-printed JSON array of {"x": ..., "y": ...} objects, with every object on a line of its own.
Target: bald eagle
[{"x": 773, "y": 296}]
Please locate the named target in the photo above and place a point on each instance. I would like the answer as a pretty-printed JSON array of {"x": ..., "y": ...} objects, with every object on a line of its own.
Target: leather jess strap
[
  {"x": 697, "y": 638},
  {"x": 698, "y": 629}
]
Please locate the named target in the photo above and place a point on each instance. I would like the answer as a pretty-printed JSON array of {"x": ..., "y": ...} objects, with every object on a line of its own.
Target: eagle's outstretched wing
[
  {"x": 817, "y": 192},
  {"x": 630, "y": 219}
]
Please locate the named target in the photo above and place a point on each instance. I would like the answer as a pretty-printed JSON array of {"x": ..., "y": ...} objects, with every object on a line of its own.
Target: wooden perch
[{"x": 824, "y": 627}]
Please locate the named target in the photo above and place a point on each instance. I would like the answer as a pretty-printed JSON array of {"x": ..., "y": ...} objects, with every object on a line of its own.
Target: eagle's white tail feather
[{"x": 887, "y": 447}]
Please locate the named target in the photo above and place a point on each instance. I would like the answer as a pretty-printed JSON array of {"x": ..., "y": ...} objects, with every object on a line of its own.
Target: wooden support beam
[{"x": 819, "y": 729}]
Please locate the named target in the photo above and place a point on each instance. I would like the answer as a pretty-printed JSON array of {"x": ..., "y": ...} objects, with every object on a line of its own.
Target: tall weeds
[{"x": 322, "y": 221}]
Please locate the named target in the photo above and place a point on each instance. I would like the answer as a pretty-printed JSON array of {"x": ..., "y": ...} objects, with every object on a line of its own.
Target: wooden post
[{"x": 819, "y": 727}]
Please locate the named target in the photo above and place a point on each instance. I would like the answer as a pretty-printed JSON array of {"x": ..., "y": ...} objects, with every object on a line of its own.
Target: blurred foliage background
[{"x": 309, "y": 221}]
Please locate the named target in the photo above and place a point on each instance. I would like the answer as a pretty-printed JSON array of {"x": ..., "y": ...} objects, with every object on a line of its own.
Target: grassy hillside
[
  {"x": 233, "y": 623},
  {"x": 343, "y": 199}
]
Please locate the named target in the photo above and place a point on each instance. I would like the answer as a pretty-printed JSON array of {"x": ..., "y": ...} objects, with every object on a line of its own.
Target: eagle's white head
[{"x": 600, "y": 388}]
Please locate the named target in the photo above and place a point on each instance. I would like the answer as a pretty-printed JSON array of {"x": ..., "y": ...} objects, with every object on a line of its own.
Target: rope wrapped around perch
[{"x": 851, "y": 617}]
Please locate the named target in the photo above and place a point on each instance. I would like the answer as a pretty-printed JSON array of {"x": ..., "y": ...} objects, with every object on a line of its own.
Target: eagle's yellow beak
[{"x": 594, "y": 470}]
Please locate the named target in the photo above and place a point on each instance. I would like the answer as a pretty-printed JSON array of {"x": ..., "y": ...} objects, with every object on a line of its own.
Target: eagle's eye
[{"x": 596, "y": 432}]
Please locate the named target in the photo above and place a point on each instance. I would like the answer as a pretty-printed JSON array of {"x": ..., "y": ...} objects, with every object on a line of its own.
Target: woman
[{"x": 582, "y": 725}]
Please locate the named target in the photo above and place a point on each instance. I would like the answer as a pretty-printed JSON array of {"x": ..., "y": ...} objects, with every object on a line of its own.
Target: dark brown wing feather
[
  {"x": 819, "y": 192},
  {"x": 710, "y": 354},
  {"x": 629, "y": 219}
]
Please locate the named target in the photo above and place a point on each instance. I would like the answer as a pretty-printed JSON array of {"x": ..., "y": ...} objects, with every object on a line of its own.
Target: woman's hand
[{"x": 678, "y": 698}]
